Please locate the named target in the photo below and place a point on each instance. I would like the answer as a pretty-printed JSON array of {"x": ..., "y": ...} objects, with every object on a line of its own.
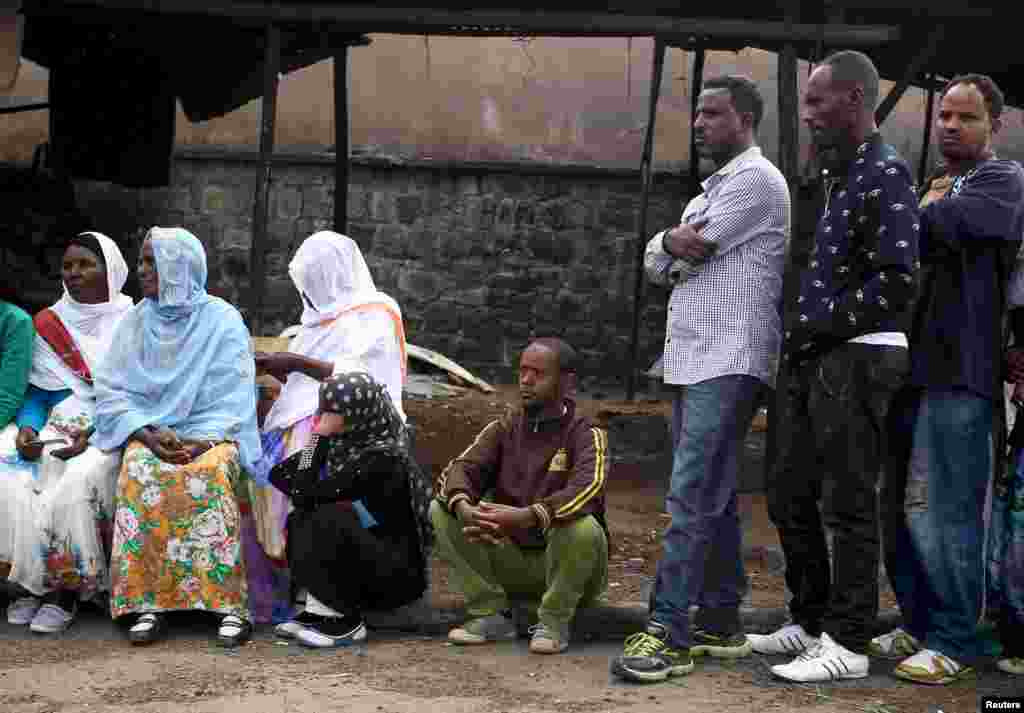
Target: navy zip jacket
[
  {"x": 969, "y": 240},
  {"x": 861, "y": 277}
]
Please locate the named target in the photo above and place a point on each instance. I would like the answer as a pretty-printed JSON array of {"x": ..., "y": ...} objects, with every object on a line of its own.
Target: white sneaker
[
  {"x": 21, "y": 611},
  {"x": 51, "y": 619},
  {"x": 931, "y": 667},
  {"x": 1014, "y": 666},
  {"x": 337, "y": 635},
  {"x": 790, "y": 639},
  {"x": 897, "y": 644},
  {"x": 828, "y": 661}
]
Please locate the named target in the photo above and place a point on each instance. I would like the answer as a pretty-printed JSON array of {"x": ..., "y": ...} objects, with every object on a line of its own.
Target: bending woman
[
  {"x": 346, "y": 561},
  {"x": 56, "y": 497},
  {"x": 180, "y": 391},
  {"x": 345, "y": 321}
]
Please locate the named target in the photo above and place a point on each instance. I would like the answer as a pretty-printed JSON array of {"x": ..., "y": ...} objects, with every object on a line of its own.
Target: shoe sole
[
  {"x": 35, "y": 628},
  {"x": 944, "y": 681},
  {"x": 880, "y": 654},
  {"x": 548, "y": 652},
  {"x": 721, "y": 652},
  {"x": 650, "y": 677},
  {"x": 358, "y": 638},
  {"x": 829, "y": 679},
  {"x": 460, "y": 641}
]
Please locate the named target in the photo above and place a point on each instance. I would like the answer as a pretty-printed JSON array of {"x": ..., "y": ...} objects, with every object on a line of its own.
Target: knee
[
  {"x": 440, "y": 517},
  {"x": 581, "y": 536}
]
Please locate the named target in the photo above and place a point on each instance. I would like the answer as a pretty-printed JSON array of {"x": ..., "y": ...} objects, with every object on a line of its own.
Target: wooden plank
[
  {"x": 454, "y": 21},
  {"x": 646, "y": 159},
  {"x": 342, "y": 141},
  {"x": 917, "y": 65},
  {"x": 696, "y": 81},
  {"x": 261, "y": 206},
  {"x": 443, "y": 362}
]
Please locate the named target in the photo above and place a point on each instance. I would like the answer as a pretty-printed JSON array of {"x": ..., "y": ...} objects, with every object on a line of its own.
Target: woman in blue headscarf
[{"x": 179, "y": 389}]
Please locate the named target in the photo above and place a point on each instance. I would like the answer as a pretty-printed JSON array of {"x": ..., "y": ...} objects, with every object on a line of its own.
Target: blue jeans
[
  {"x": 935, "y": 552},
  {"x": 703, "y": 560}
]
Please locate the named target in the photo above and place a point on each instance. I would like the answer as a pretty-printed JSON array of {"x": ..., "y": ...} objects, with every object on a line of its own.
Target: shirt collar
[{"x": 734, "y": 163}]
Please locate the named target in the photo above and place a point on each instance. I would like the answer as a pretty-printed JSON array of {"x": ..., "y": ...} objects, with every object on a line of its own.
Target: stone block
[
  {"x": 304, "y": 227},
  {"x": 391, "y": 241},
  {"x": 423, "y": 245},
  {"x": 358, "y": 204},
  {"x": 419, "y": 285},
  {"x": 468, "y": 185},
  {"x": 506, "y": 213},
  {"x": 488, "y": 212},
  {"x": 564, "y": 246},
  {"x": 363, "y": 234},
  {"x": 286, "y": 202},
  {"x": 468, "y": 273},
  {"x": 456, "y": 246},
  {"x": 619, "y": 213},
  {"x": 579, "y": 214},
  {"x": 473, "y": 297},
  {"x": 512, "y": 184},
  {"x": 382, "y": 207},
  {"x": 408, "y": 208},
  {"x": 318, "y": 201},
  {"x": 524, "y": 214},
  {"x": 443, "y": 317},
  {"x": 541, "y": 244},
  {"x": 182, "y": 200}
]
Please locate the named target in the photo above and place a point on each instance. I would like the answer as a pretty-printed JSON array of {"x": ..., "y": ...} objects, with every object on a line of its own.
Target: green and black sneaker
[
  {"x": 719, "y": 646},
  {"x": 647, "y": 657}
]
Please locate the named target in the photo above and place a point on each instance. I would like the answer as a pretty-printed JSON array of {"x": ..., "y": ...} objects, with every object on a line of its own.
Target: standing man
[
  {"x": 725, "y": 260},
  {"x": 971, "y": 224},
  {"x": 847, "y": 354}
]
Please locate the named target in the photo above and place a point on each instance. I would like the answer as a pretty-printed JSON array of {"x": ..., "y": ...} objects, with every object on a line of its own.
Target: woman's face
[
  {"x": 149, "y": 281},
  {"x": 84, "y": 275},
  {"x": 330, "y": 424}
]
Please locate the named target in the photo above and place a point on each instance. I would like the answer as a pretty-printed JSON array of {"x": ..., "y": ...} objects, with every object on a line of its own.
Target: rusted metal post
[
  {"x": 261, "y": 206},
  {"x": 695, "y": 84},
  {"x": 789, "y": 164},
  {"x": 341, "y": 140},
  {"x": 645, "y": 195},
  {"x": 926, "y": 142}
]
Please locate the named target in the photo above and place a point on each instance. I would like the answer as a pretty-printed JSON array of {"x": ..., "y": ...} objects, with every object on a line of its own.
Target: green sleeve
[{"x": 18, "y": 335}]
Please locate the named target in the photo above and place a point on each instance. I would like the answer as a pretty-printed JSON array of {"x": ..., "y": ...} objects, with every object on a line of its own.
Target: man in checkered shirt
[{"x": 725, "y": 262}]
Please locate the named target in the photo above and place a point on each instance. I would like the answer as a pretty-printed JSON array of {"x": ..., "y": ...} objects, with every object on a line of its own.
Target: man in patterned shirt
[
  {"x": 846, "y": 351},
  {"x": 725, "y": 262}
]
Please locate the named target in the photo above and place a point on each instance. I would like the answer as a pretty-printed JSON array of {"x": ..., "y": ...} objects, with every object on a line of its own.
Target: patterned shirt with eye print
[{"x": 861, "y": 277}]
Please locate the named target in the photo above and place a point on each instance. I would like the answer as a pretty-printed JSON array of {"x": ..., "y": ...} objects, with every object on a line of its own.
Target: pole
[
  {"x": 926, "y": 143},
  {"x": 695, "y": 84},
  {"x": 341, "y": 141},
  {"x": 261, "y": 206},
  {"x": 789, "y": 162},
  {"x": 645, "y": 195}
]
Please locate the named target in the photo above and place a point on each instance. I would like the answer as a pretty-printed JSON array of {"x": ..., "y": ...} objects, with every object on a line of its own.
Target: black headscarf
[{"x": 90, "y": 243}]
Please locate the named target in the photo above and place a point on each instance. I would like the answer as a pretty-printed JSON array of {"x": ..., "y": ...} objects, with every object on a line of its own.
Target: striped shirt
[{"x": 725, "y": 318}]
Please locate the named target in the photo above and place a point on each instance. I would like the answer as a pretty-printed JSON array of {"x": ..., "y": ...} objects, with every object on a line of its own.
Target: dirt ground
[{"x": 93, "y": 669}]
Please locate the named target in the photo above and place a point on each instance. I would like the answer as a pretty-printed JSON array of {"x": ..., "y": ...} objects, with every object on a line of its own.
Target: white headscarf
[
  {"x": 330, "y": 273},
  {"x": 91, "y": 326}
]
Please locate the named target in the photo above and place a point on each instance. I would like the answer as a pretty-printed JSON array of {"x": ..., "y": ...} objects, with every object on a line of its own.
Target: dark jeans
[
  {"x": 703, "y": 559},
  {"x": 934, "y": 554},
  {"x": 834, "y": 451}
]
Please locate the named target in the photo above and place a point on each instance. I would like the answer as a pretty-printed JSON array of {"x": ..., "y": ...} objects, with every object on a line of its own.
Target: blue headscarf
[{"x": 181, "y": 361}]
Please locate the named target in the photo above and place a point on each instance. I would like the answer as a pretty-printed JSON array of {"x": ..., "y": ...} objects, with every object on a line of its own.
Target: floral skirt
[
  {"x": 55, "y": 518},
  {"x": 177, "y": 535}
]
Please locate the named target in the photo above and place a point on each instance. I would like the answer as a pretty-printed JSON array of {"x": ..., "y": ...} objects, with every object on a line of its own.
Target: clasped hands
[
  {"x": 491, "y": 523},
  {"x": 168, "y": 447},
  {"x": 685, "y": 242},
  {"x": 31, "y": 448}
]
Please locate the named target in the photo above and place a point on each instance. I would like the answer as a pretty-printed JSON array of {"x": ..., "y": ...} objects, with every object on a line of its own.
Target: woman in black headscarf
[{"x": 360, "y": 532}]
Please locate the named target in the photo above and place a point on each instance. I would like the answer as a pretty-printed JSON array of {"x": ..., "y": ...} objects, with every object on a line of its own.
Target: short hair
[
  {"x": 852, "y": 67},
  {"x": 746, "y": 97},
  {"x": 993, "y": 95},
  {"x": 568, "y": 359}
]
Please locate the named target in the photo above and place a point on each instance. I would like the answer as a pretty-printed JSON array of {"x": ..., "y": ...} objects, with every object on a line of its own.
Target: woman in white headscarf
[
  {"x": 347, "y": 324},
  {"x": 56, "y": 491}
]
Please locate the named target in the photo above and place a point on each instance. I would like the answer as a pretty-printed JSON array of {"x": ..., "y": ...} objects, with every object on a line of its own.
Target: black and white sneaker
[{"x": 331, "y": 632}]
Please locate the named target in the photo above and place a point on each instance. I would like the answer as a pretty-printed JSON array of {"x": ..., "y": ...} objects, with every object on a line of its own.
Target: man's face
[
  {"x": 965, "y": 128},
  {"x": 829, "y": 109},
  {"x": 718, "y": 127},
  {"x": 538, "y": 377}
]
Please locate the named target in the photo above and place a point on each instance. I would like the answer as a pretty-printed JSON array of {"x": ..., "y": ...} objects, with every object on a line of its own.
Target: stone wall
[{"x": 480, "y": 256}]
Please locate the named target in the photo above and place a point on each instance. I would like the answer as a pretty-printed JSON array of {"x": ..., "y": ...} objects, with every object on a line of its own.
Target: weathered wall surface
[{"x": 480, "y": 259}]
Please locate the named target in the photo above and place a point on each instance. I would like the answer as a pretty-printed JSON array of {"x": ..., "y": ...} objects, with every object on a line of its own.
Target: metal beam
[
  {"x": 18, "y": 108},
  {"x": 926, "y": 141},
  {"x": 436, "y": 21},
  {"x": 341, "y": 141},
  {"x": 695, "y": 84},
  {"x": 261, "y": 206},
  {"x": 914, "y": 70},
  {"x": 645, "y": 196}
]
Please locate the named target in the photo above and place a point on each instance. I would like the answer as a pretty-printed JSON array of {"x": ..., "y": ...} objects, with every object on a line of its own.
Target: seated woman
[
  {"x": 179, "y": 391},
  {"x": 345, "y": 320},
  {"x": 353, "y": 558},
  {"x": 56, "y": 493}
]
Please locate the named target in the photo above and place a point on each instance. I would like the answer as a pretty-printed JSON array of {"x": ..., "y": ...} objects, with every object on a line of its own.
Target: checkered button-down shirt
[{"x": 725, "y": 319}]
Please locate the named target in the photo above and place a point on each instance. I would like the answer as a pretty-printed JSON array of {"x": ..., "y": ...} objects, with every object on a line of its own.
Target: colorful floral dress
[
  {"x": 55, "y": 515},
  {"x": 178, "y": 534}
]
